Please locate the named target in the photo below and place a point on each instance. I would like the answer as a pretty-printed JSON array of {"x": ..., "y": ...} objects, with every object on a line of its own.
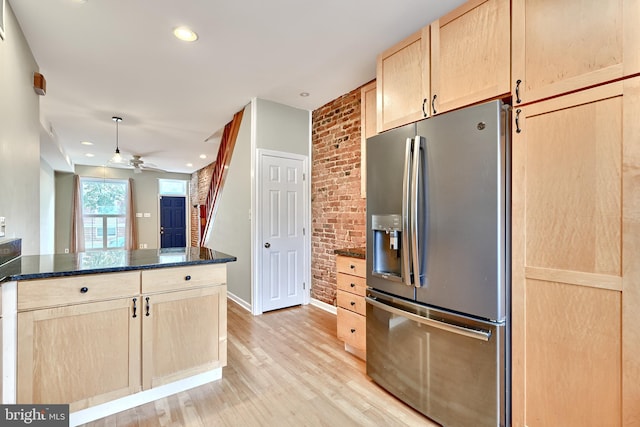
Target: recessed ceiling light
[
  {"x": 203, "y": 156},
  {"x": 304, "y": 94},
  {"x": 189, "y": 164},
  {"x": 185, "y": 34},
  {"x": 86, "y": 143},
  {"x": 89, "y": 155},
  {"x": 79, "y": 1}
]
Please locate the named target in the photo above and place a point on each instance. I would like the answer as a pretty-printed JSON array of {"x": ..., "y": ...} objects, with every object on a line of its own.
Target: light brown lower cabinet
[
  {"x": 83, "y": 354},
  {"x": 183, "y": 335},
  {"x": 576, "y": 259},
  {"x": 351, "y": 311},
  {"x": 91, "y": 352}
]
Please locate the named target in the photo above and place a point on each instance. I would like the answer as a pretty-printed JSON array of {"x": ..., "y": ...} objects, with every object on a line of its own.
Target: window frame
[{"x": 91, "y": 218}]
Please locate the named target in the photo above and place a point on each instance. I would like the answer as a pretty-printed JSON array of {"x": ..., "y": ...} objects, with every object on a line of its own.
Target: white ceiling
[{"x": 119, "y": 57}]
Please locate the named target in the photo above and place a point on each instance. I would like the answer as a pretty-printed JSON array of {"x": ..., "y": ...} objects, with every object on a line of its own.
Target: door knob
[{"x": 267, "y": 245}]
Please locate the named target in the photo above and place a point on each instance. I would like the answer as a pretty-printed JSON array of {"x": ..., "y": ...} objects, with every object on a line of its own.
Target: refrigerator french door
[{"x": 437, "y": 264}]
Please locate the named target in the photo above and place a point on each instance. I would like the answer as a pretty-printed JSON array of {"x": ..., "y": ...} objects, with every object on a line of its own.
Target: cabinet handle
[
  {"x": 518, "y": 111},
  {"x": 433, "y": 104},
  {"x": 187, "y": 278},
  {"x": 147, "y": 307},
  {"x": 353, "y": 303},
  {"x": 353, "y": 330},
  {"x": 84, "y": 290},
  {"x": 353, "y": 285},
  {"x": 518, "y": 100},
  {"x": 424, "y": 102},
  {"x": 135, "y": 308},
  {"x": 352, "y": 266}
]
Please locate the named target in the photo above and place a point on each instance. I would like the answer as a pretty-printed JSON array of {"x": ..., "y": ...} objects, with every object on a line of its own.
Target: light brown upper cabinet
[
  {"x": 564, "y": 46},
  {"x": 368, "y": 129},
  {"x": 575, "y": 259},
  {"x": 403, "y": 82},
  {"x": 470, "y": 54}
]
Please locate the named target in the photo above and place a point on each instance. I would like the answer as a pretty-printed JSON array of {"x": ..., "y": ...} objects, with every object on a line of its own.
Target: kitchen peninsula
[{"x": 109, "y": 330}]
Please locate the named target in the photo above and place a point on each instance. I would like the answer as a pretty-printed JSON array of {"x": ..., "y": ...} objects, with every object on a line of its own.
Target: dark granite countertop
[
  {"x": 110, "y": 261},
  {"x": 352, "y": 252}
]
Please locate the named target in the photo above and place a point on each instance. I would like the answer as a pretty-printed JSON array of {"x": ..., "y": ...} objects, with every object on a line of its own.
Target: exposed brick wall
[
  {"x": 337, "y": 209},
  {"x": 199, "y": 187}
]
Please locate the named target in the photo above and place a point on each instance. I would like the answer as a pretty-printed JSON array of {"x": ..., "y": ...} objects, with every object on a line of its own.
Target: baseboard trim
[
  {"x": 324, "y": 306},
  {"x": 242, "y": 303},
  {"x": 114, "y": 406}
]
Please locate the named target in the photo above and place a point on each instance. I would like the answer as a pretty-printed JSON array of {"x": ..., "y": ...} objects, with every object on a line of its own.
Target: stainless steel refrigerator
[{"x": 438, "y": 265}]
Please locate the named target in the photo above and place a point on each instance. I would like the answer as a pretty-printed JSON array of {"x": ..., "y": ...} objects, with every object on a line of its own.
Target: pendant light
[{"x": 117, "y": 158}]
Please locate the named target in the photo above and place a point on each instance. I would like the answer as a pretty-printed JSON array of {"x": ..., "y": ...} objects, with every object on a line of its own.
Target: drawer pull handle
[
  {"x": 353, "y": 285},
  {"x": 148, "y": 308},
  {"x": 352, "y": 266},
  {"x": 84, "y": 290},
  {"x": 353, "y": 303},
  {"x": 135, "y": 308},
  {"x": 353, "y": 330},
  {"x": 187, "y": 278}
]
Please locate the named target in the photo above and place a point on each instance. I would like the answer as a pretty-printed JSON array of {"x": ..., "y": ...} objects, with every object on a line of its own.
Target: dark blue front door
[{"x": 173, "y": 228}]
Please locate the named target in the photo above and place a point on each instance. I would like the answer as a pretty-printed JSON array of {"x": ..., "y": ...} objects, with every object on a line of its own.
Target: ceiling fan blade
[{"x": 151, "y": 169}]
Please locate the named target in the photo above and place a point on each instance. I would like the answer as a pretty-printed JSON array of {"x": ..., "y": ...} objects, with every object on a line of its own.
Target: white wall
[
  {"x": 19, "y": 138},
  {"x": 282, "y": 128},
  {"x": 277, "y": 127},
  {"x": 47, "y": 208},
  {"x": 231, "y": 231}
]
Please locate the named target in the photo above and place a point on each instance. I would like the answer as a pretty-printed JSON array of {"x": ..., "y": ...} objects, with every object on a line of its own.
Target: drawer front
[
  {"x": 352, "y": 284},
  {"x": 349, "y": 265},
  {"x": 34, "y": 294},
  {"x": 352, "y": 302},
  {"x": 352, "y": 328},
  {"x": 179, "y": 278}
]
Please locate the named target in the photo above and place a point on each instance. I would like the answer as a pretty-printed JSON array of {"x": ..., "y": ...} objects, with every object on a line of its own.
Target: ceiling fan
[{"x": 139, "y": 165}]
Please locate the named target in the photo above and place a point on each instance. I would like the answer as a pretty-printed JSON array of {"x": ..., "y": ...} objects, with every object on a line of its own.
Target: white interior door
[{"x": 282, "y": 191}]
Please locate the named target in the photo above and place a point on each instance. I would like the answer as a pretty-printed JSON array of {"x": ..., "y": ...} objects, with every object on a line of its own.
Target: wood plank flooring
[{"x": 285, "y": 368}]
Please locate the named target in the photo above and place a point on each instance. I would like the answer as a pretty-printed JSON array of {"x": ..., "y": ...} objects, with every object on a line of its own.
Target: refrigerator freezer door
[
  {"x": 387, "y": 221},
  {"x": 466, "y": 160},
  {"x": 448, "y": 367}
]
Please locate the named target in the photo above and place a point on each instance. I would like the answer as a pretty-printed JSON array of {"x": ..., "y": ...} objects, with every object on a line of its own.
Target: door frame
[{"x": 256, "y": 229}]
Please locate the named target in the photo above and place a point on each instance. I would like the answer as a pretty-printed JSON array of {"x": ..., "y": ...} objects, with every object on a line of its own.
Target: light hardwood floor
[{"x": 285, "y": 368}]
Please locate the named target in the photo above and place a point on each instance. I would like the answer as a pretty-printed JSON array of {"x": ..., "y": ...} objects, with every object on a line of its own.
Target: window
[
  {"x": 104, "y": 212},
  {"x": 170, "y": 187}
]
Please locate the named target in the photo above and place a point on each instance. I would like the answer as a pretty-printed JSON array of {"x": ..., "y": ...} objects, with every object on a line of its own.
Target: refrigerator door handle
[
  {"x": 406, "y": 253},
  {"x": 415, "y": 243},
  {"x": 479, "y": 334}
]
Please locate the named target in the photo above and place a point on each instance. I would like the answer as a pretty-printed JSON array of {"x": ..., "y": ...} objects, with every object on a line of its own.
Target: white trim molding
[
  {"x": 242, "y": 303},
  {"x": 324, "y": 306}
]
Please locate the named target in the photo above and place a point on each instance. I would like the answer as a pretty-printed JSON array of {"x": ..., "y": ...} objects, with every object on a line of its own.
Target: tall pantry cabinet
[{"x": 575, "y": 213}]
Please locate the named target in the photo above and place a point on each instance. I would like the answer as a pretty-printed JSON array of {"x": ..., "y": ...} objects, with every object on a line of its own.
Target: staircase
[{"x": 223, "y": 159}]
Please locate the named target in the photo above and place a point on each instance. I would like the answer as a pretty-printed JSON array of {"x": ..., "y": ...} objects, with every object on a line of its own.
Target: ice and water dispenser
[{"x": 387, "y": 246}]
